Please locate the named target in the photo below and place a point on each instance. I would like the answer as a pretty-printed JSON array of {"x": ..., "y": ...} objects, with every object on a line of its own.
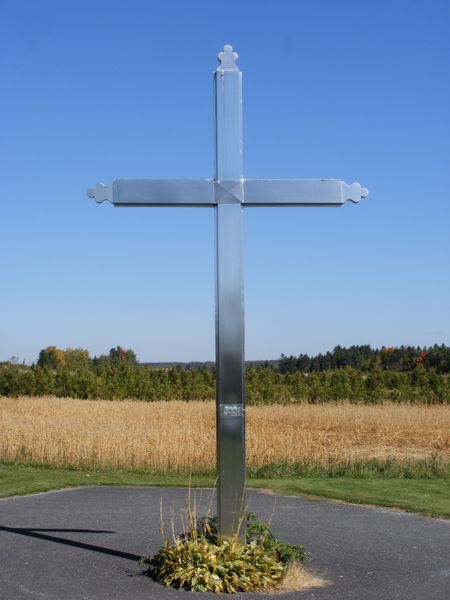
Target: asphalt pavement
[{"x": 85, "y": 543}]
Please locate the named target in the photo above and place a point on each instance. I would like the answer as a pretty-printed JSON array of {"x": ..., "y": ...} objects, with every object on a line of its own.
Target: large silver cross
[{"x": 228, "y": 193}]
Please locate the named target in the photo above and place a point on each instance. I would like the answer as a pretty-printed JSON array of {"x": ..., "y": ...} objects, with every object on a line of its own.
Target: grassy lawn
[
  {"x": 17, "y": 480},
  {"x": 425, "y": 496}
]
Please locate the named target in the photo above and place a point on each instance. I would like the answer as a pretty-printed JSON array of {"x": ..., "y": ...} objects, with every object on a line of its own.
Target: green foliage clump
[
  {"x": 260, "y": 532},
  {"x": 200, "y": 565},
  {"x": 197, "y": 561}
]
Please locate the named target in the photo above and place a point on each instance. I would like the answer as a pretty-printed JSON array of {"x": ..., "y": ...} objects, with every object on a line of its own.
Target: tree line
[
  {"x": 365, "y": 358},
  {"x": 118, "y": 375}
]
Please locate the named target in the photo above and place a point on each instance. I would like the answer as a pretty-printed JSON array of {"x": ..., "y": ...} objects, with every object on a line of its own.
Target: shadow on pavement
[{"x": 34, "y": 533}]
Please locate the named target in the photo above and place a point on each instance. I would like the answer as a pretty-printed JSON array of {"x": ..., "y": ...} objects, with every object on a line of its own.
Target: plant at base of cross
[
  {"x": 196, "y": 561},
  {"x": 260, "y": 532},
  {"x": 199, "y": 565}
]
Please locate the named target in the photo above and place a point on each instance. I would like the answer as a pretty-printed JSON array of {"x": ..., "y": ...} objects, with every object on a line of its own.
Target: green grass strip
[
  {"x": 424, "y": 496},
  {"x": 429, "y": 497}
]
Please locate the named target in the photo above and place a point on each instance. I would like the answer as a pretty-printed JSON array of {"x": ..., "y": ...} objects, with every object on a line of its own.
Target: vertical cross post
[{"x": 230, "y": 385}]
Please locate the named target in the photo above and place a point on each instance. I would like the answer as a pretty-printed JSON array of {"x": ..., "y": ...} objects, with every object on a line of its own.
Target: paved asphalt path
[{"x": 84, "y": 543}]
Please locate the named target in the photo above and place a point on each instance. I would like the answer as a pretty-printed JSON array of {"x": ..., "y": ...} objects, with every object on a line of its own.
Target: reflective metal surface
[
  {"x": 230, "y": 388},
  {"x": 300, "y": 192},
  {"x": 228, "y": 109},
  {"x": 171, "y": 192},
  {"x": 209, "y": 192},
  {"x": 228, "y": 193},
  {"x": 101, "y": 192}
]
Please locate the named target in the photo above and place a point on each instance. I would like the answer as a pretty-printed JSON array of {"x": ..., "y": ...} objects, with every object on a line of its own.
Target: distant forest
[
  {"x": 358, "y": 374},
  {"x": 363, "y": 358}
]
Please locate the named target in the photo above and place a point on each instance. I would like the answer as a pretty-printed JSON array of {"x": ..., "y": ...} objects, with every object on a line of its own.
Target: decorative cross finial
[
  {"x": 101, "y": 192},
  {"x": 227, "y": 58}
]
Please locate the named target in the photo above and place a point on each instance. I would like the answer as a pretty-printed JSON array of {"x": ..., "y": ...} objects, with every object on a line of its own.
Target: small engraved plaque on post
[{"x": 231, "y": 410}]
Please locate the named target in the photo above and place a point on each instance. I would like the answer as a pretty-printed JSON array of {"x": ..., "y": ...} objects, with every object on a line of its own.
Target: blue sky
[{"x": 99, "y": 90}]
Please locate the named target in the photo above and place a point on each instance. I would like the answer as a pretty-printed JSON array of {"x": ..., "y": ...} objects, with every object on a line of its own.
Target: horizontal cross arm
[
  {"x": 156, "y": 192},
  {"x": 301, "y": 192},
  {"x": 210, "y": 192}
]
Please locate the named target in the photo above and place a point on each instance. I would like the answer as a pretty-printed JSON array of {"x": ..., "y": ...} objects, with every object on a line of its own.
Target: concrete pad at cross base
[{"x": 84, "y": 544}]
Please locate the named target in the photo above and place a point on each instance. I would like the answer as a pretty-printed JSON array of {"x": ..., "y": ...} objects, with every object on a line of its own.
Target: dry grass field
[{"x": 180, "y": 436}]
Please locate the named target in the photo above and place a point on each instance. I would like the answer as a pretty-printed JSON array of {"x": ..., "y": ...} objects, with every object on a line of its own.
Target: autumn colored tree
[
  {"x": 77, "y": 359},
  {"x": 119, "y": 354},
  {"x": 51, "y": 357}
]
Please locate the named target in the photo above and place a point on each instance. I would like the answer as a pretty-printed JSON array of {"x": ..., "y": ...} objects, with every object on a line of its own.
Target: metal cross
[{"x": 228, "y": 193}]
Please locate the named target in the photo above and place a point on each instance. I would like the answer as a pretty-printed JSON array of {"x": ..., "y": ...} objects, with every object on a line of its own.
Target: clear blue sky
[{"x": 97, "y": 90}]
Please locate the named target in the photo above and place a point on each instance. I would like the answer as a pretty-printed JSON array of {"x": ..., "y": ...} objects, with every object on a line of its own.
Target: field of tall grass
[{"x": 180, "y": 437}]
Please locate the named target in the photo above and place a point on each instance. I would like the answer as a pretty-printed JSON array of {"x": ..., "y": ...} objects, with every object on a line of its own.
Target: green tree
[
  {"x": 51, "y": 357},
  {"x": 77, "y": 359},
  {"x": 119, "y": 354}
]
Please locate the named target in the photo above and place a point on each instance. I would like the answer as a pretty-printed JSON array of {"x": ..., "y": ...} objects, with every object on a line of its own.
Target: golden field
[{"x": 179, "y": 436}]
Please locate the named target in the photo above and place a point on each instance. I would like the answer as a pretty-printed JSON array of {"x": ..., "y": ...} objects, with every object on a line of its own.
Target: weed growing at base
[
  {"x": 196, "y": 560},
  {"x": 201, "y": 566}
]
